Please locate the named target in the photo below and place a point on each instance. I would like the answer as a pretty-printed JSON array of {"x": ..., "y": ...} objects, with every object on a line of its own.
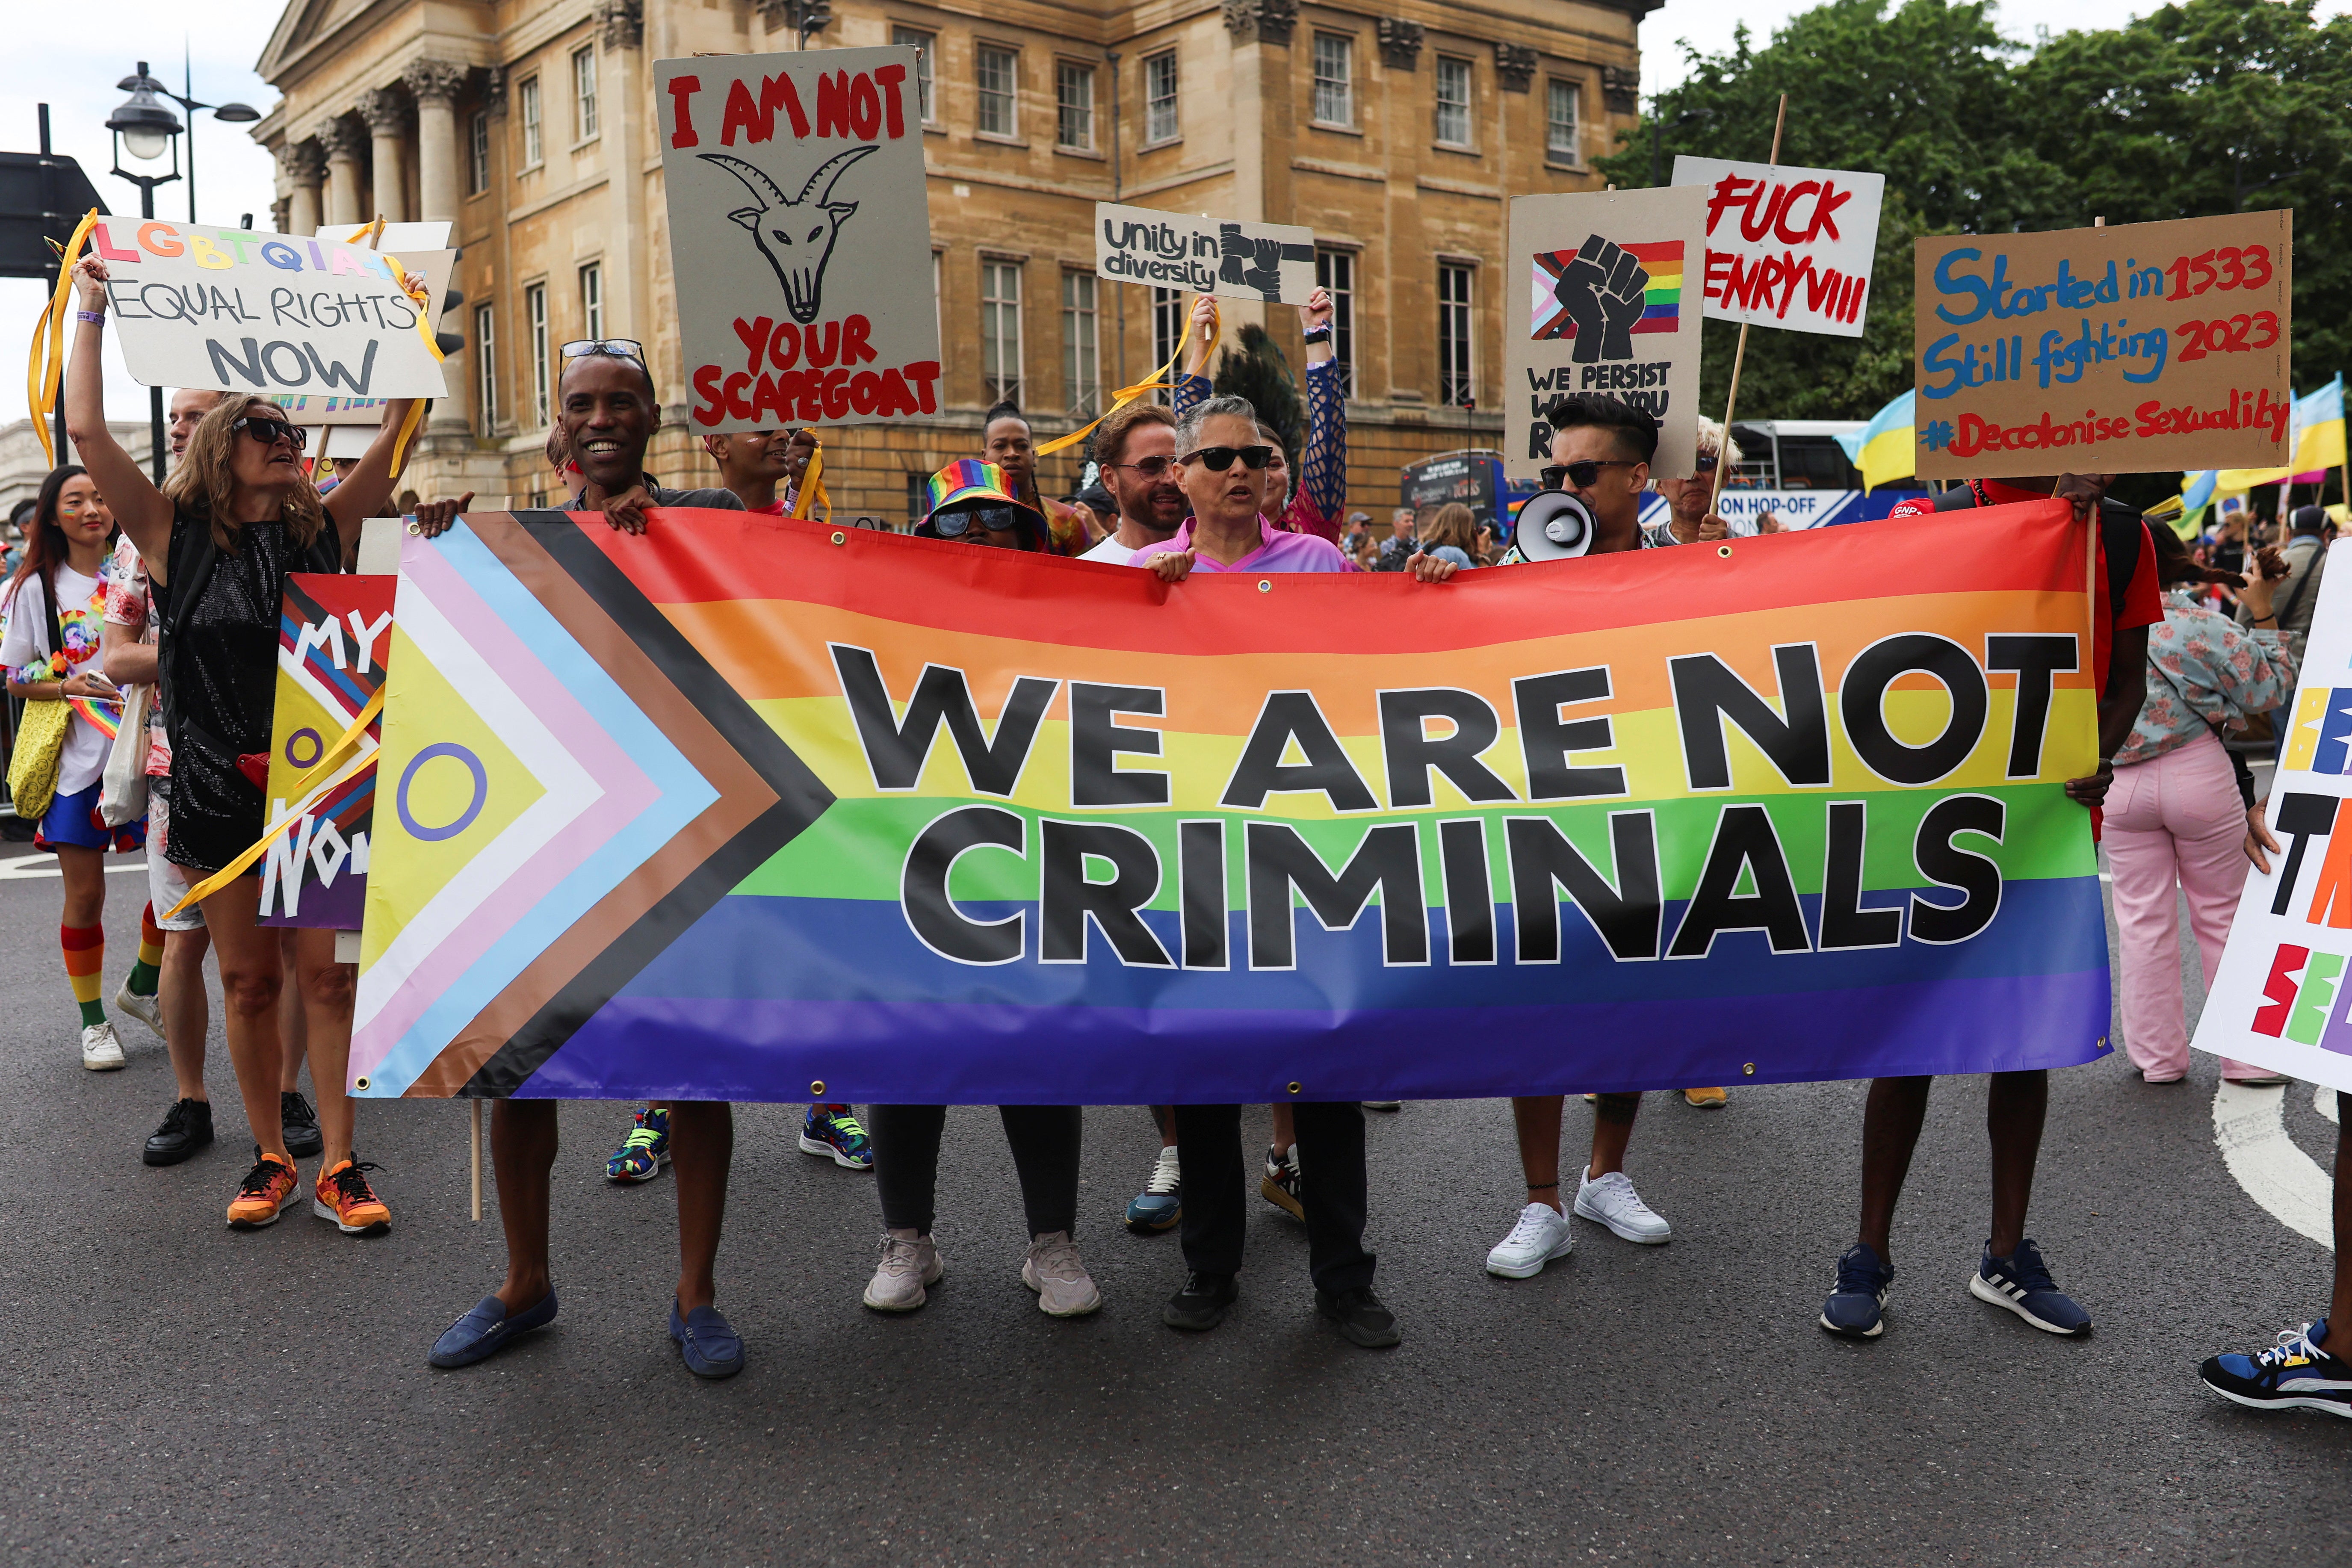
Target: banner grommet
[
  {"x": 839, "y": 537},
  {"x": 1723, "y": 551},
  {"x": 1749, "y": 1070},
  {"x": 817, "y": 1088},
  {"x": 360, "y": 1082},
  {"x": 1265, "y": 586},
  {"x": 1293, "y": 1089}
]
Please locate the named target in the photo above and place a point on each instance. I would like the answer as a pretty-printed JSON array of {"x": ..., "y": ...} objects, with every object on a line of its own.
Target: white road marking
[
  {"x": 30, "y": 866},
  {"x": 2250, "y": 1129}
]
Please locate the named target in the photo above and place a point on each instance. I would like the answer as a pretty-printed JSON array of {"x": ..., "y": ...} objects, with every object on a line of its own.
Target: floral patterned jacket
[{"x": 2204, "y": 672}]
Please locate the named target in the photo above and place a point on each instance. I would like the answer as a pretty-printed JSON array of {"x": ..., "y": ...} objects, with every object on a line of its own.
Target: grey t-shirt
[{"x": 711, "y": 501}]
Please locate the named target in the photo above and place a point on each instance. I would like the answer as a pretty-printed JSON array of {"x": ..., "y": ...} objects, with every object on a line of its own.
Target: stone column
[
  {"x": 345, "y": 144},
  {"x": 305, "y": 167},
  {"x": 386, "y": 113},
  {"x": 439, "y": 181},
  {"x": 628, "y": 260}
]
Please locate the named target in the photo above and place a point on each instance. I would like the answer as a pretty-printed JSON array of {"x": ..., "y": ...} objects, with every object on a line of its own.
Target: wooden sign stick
[
  {"x": 1739, "y": 356},
  {"x": 474, "y": 1145}
]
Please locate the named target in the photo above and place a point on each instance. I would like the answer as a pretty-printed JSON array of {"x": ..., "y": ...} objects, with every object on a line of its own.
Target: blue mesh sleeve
[
  {"x": 1190, "y": 390},
  {"x": 1323, "y": 467}
]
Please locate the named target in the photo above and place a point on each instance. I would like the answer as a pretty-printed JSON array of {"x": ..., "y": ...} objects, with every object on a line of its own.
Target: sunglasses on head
[
  {"x": 1217, "y": 459},
  {"x": 611, "y": 348},
  {"x": 269, "y": 432},
  {"x": 956, "y": 524},
  {"x": 1582, "y": 474}
]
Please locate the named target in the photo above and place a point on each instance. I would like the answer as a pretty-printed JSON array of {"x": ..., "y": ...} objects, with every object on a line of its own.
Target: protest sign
[
  {"x": 333, "y": 640},
  {"x": 741, "y": 807},
  {"x": 1270, "y": 262},
  {"x": 799, "y": 229},
  {"x": 1610, "y": 310},
  {"x": 266, "y": 313},
  {"x": 2283, "y": 996},
  {"x": 2123, "y": 349},
  {"x": 1787, "y": 247}
]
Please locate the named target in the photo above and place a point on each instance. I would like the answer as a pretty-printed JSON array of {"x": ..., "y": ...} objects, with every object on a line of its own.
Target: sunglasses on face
[
  {"x": 1581, "y": 475},
  {"x": 956, "y": 524},
  {"x": 269, "y": 432},
  {"x": 1149, "y": 468},
  {"x": 1217, "y": 459}
]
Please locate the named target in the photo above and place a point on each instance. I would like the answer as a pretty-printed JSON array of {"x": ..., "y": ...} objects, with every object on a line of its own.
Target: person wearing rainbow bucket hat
[{"x": 971, "y": 504}]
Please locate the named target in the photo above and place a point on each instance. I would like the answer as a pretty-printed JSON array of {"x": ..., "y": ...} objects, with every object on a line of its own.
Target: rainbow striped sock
[
  {"x": 148, "y": 972},
  {"x": 84, "y": 963}
]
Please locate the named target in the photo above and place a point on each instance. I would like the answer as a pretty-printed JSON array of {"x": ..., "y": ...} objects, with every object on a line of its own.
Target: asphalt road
[{"x": 173, "y": 1393}]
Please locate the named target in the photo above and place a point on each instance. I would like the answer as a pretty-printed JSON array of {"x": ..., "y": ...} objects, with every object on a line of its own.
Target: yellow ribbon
[
  {"x": 812, "y": 491},
  {"x": 44, "y": 373},
  {"x": 368, "y": 234},
  {"x": 1127, "y": 395},
  {"x": 300, "y": 793}
]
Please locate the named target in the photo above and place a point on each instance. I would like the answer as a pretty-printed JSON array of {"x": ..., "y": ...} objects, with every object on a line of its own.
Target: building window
[
  {"x": 1000, "y": 331},
  {"x": 1456, "y": 388},
  {"x": 1074, "y": 106},
  {"x": 486, "y": 371},
  {"x": 1560, "y": 121},
  {"x": 592, "y": 300},
  {"x": 1159, "y": 122},
  {"x": 1000, "y": 85},
  {"x": 535, "y": 310},
  {"x": 584, "y": 94},
  {"x": 1334, "y": 79},
  {"x": 1167, "y": 327},
  {"x": 1453, "y": 101},
  {"x": 527, "y": 99},
  {"x": 1081, "y": 379},
  {"x": 922, "y": 43},
  {"x": 919, "y": 497},
  {"x": 1336, "y": 272},
  {"x": 478, "y": 159}
]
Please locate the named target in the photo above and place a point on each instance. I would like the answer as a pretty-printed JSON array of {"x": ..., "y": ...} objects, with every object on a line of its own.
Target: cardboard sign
[
  {"x": 1787, "y": 247},
  {"x": 1270, "y": 263},
  {"x": 798, "y": 228},
  {"x": 1610, "y": 309},
  {"x": 2283, "y": 996},
  {"x": 2125, "y": 350},
  {"x": 240, "y": 311},
  {"x": 334, "y": 632}
]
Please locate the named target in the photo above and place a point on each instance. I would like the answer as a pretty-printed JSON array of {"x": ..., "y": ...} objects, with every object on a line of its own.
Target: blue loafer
[
  {"x": 488, "y": 1329},
  {"x": 711, "y": 1348}
]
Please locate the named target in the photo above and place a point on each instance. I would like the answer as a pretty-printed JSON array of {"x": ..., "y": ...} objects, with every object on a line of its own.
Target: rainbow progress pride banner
[{"x": 754, "y": 809}]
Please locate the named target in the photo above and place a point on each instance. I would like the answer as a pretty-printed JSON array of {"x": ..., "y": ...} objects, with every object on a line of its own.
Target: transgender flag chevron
[{"x": 749, "y": 808}]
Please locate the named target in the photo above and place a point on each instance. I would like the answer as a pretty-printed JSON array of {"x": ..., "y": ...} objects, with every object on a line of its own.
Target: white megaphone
[{"x": 1553, "y": 526}]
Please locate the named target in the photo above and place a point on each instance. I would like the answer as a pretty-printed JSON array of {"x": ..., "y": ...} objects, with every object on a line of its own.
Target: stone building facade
[{"x": 1397, "y": 132}]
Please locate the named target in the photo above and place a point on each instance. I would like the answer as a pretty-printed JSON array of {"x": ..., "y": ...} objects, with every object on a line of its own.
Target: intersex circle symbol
[
  {"x": 473, "y": 806},
  {"x": 318, "y": 747}
]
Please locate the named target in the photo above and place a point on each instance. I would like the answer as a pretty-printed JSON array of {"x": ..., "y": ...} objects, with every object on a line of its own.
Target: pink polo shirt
[{"x": 1275, "y": 552}]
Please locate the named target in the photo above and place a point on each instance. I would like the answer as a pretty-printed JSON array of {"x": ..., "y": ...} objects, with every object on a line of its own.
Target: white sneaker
[
  {"x": 147, "y": 1009},
  {"x": 100, "y": 1051},
  {"x": 907, "y": 1264},
  {"x": 1541, "y": 1235},
  {"x": 1064, "y": 1288},
  {"x": 1612, "y": 1201}
]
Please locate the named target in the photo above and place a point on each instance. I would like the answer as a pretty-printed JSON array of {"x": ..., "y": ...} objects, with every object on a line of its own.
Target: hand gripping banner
[{"x": 749, "y": 808}]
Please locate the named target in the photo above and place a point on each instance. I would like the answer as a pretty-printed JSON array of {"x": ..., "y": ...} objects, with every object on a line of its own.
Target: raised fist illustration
[{"x": 1602, "y": 292}]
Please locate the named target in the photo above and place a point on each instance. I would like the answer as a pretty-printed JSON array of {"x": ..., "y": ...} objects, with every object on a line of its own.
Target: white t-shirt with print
[{"x": 27, "y": 641}]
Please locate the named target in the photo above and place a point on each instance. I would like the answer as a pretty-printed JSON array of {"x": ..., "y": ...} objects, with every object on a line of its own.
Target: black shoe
[
  {"x": 1360, "y": 1317},
  {"x": 301, "y": 1123},
  {"x": 1201, "y": 1303},
  {"x": 187, "y": 1127}
]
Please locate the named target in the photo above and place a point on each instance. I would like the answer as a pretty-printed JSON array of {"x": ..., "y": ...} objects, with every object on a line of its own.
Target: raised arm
[
  {"x": 133, "y": 497},
  {"x": 362, "y": 495},
  {"x": 1322, "y": 495}
]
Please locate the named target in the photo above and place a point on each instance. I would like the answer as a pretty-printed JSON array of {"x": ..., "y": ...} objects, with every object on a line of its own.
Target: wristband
[
  {"x": 95, "y": 318},
  {"x": 1319, "y": 335}
]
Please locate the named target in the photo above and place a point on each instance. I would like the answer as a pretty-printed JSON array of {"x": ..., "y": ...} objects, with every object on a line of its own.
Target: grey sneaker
[
  {"x": 908, "y": 1264},
  {"x": 1053, "y": 1270}
]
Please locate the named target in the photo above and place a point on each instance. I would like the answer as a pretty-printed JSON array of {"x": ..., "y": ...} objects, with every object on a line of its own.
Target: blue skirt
[{"x": 73, "y": 819}]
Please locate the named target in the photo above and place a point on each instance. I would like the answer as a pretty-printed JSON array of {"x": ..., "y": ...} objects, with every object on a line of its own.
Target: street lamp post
[
  {"x": 227, "y": 113},
  {"x": 146, "y": 128}
]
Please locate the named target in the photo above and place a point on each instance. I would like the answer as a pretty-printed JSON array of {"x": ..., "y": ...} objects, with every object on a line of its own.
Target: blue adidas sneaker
[
  {"x": 1857, "y": 1307},
  {"x": 2021, "y": 1283},
  {"x": 2293, "y": 1374},
  {"x": 831, "y": 1129}
]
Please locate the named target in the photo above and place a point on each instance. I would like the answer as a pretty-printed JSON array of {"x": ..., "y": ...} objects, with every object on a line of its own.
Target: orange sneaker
[
  {"x": 344, "y": 1196},
  {"x": 267, "y": 1188}
]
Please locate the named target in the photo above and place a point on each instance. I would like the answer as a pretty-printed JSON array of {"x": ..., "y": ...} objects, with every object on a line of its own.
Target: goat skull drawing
[{"x": 794, "y": 233}]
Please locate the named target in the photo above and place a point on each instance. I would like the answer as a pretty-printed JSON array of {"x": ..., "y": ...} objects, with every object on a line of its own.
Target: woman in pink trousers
[{"x": 2177, "y": 817}]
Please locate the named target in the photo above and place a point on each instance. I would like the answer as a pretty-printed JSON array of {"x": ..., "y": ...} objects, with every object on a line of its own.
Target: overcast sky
[{"x": 76, "y": 74}]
